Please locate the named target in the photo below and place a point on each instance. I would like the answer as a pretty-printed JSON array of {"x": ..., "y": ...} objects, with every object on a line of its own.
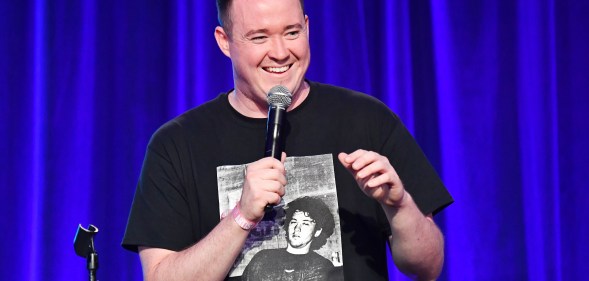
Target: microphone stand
[
  {"x": 84, "y": 247},
  {"x": 92, "y": 265}
]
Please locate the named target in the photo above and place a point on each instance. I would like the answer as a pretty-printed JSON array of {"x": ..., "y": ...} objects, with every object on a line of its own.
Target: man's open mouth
[{"x": 278, "y": 70}]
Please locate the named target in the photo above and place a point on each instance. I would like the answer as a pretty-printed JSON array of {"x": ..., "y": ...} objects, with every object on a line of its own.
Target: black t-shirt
[{"x": 176, "y": 202}]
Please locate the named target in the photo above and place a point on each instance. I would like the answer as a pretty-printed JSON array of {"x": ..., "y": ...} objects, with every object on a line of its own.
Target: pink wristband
[{"x": 241, "y": 220}]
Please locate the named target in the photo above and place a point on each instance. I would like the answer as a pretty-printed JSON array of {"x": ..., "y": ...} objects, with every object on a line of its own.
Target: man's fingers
[
  {"x": 342, "y": 158},
  {"x": 374, "y": 168},
  {"x": 368, "y": 167},
  {"x": 379, "y": 180},
  {"x": 273, "y": 187},
  {"x": 265, "y": 163},
  {"x": 358, "y": 159},
  {"x": 352, "y": 157},
  {"x": 266, "y": 175},
  {"x": 274, "y": 200},
  {"x": 264, "y": 184},
  {"x": 367, "y": 158},
  {"x": 375, "y": 175}
]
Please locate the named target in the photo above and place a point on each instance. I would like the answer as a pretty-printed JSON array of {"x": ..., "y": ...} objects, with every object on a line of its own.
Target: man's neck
[
  {"x": 249, "y": 107},
  {"x": 299, "y": 251},
  {"x": 246, "y": 106}
]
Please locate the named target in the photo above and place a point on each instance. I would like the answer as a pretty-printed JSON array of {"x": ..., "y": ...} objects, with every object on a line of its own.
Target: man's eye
[
  {"x": 258, "y": 39},
  {"x": 293, "y": 34}
]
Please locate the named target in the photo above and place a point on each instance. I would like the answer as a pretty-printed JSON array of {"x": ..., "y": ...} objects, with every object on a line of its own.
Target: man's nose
[{"x": 279, "y": 50}]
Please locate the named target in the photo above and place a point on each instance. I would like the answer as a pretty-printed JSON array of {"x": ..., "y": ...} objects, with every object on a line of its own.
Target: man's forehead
[
  {"x": 256, "y": 14},
  {"x": 268, "y": 4},
  {"x": 302, "y": 213}
]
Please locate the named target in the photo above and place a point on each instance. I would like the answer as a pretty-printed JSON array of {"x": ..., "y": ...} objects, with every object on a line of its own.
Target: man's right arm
[
  {"x": 212, "y": 257},
  {"x": 209, "y": 259}
]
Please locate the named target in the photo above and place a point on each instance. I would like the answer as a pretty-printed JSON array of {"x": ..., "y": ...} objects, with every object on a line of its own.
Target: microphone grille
[{"x": 279, "y": 96}]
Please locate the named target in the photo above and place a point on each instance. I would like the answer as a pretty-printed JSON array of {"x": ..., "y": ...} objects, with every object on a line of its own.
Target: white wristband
[{"x": 241, "y": 220}]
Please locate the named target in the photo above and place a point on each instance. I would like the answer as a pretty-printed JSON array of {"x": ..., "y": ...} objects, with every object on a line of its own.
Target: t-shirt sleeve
[
  {"x": 160, "y": 215},
  {"x": 417, "y": 174}
]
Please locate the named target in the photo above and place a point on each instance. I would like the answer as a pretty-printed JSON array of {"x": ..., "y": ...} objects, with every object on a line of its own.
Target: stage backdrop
[{"x": 495, "y": 91}]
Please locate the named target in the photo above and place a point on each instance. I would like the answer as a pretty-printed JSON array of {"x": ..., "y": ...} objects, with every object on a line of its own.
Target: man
[
  {"x": 308, "y": 224},
  {"x": 173, "y": 223}
]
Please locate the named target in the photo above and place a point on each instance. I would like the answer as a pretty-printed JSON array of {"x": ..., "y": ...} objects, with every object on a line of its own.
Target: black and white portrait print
[{"x": 300, "y": 238}]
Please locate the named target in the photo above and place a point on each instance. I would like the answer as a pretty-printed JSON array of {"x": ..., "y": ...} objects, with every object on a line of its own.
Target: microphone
[{"x": 279, "y": 99}]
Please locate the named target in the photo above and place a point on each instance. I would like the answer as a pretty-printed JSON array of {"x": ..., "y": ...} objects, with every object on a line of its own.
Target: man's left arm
[{"x": 417, "y": 244}]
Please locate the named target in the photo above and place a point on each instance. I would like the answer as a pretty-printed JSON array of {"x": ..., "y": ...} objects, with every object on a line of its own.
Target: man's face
[
  {"x": 301, "y": 230},
  {"x": 268, "y": 46}
]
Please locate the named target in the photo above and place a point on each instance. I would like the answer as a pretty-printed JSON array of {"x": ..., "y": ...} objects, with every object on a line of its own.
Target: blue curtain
[{"x": 495, "y": 91}]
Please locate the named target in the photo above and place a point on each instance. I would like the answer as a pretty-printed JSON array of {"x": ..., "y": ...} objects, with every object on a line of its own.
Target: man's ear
[
  {"x": 222, "y": 40},
  {"x": 307, "y": 24},
  {"x": 318, "y": 232}
]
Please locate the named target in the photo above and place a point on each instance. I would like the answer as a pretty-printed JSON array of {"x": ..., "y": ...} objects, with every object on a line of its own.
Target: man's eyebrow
[
  {"x": 297, "y": 25},
  {"x": 265, "y": 30},
  {"x": 256, "y": 31}
]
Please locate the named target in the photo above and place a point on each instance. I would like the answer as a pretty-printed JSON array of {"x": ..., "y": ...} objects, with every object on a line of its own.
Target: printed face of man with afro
[
  {"x": 301, "y": 230},
  {"x": 308, "y": 224}
]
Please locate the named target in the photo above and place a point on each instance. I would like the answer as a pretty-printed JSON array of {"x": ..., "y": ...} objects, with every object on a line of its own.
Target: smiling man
[
  {"x": 268, "y": 44},
  {"x": 387, "y": 192}
]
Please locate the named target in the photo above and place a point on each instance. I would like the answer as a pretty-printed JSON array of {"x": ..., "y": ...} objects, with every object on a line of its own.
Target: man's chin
[
  {"x": 286, "y": 83},
  {"x": 296, "y": 244},
  {"x": 290, "y": 82}
]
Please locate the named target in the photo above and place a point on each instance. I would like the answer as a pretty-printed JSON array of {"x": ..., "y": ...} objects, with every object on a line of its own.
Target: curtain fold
[{"x": 495, "y": 92}]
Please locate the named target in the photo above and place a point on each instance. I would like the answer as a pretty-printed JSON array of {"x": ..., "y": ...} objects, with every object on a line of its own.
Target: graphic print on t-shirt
[{"x": 300, "y": 239}]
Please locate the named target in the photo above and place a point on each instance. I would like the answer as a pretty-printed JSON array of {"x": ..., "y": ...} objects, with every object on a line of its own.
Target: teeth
[{"x": 277, "y": 69}]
